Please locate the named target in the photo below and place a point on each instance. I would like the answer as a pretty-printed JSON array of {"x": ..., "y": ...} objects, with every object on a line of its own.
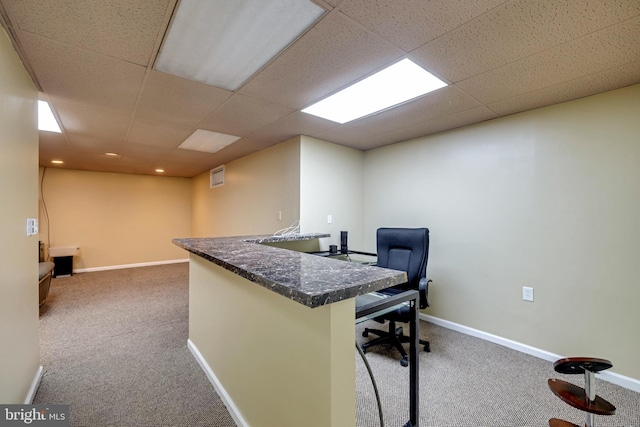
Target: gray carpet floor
[{"x": 113, "y": 347}]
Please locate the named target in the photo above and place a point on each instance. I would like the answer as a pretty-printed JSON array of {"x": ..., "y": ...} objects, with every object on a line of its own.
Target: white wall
[
  {"x": 547, "y": 198},
  {"x": 331, "y": 184},
  {"x": 256, "y": 188},
  {"x": 19, "y": 337}
]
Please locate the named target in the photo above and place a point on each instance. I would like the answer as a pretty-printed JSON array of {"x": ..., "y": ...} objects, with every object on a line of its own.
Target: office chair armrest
[{"x": 423, "y": 288}]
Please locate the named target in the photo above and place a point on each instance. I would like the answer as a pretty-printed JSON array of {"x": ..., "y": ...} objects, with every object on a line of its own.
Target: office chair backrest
[{"x": 405, "y": 249}]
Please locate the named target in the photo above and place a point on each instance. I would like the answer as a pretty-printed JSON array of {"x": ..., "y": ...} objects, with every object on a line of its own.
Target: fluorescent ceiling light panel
[
  {"x": 208, "y": 142},
  {"x": 46, "y": 120},
  {"x": 394, "y": 85},
  {"x": 222, "y": 43}
]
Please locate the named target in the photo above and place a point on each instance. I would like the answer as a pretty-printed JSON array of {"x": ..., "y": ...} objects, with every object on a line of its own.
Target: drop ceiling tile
[
  {"x": 294, "y": 124},
  {"x": 604, "y": 49},
  {"x": 240, "y": 148},
  {"x": 177, "y": 100},
  {"x": 408, "y": 23},
  {"x": 143, "y": 153},
  {"x": 610, "y": 79},
  {"x": 183, "y": 155},
  {"x": 52, "y": 141},
  {"x": 83, "y": 121},
  {"x": 518, "y": 29},
  {"x": 100, "y": 158},
  {"x": 242, "y": 115},
  {"x": 154, "y": 133},
  {"x": 94, "y": 143},
  {"x": 122, "y": 29},
  {"x": 353, "y": 137},
  {"x": 333, "y": 2},
  {"x": 75, "y": 76},
  {"x": 186, "y": 163},
  {"x": 463, "y": 118},
  {"x": 333, "y": 54},
  {"x": 442, "y": 102},
  {"x": 93, "y": 166}
]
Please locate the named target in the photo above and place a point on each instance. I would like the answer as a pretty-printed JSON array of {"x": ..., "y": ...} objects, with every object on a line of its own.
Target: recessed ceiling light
[
  {"x": 401, "y": 82},
  {"x": 208, "y": 142},
  {"x": 160, "y": 170},
  {"x": 222, "y": 43},
  {"x": 57, "y": 162},
  {"x": 46, "y": 120}
]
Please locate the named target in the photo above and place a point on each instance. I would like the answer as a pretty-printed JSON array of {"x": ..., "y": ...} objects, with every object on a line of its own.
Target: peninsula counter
[{"x": 274, "y": 330}]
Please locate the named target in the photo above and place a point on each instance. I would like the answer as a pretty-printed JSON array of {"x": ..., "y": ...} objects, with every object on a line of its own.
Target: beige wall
[
  {"x": 331, "y": 184},
  {"x": 115, "y": 219},
  {"x": 256, "y": 188},
  {"x": 276, "y": 372},
  {"x": 548, "y": 199},
  {"x": 19, "y": 348}
]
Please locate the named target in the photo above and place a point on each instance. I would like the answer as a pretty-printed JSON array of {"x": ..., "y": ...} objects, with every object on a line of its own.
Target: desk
[
  {"x": 370, "y": 306},
  {"x": 374, "y": 304},
  {"x": 274, "y": 328}
]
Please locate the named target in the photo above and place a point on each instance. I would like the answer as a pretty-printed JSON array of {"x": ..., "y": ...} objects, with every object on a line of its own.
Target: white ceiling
[{"x": 93, "y": 59}]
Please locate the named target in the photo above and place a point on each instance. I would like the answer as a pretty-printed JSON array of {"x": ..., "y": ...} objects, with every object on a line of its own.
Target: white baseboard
[
  {"x": 226, "y": 399},
  {"x": 34, "y": 386},
  {"x": 611, "y": 377},
  {"x": 119, "y": 267}
]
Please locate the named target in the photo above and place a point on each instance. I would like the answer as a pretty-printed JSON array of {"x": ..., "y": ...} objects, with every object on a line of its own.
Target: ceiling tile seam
[
  {"x": 82, "y": 49},
  {"x": 149, "y": 68},
  {"x": 282, "y": 119},
  {"x": 534, "y": 53},
  {"x": 436, "y": 119},
  {"x": 371, "y": 31},
  {"x": 166, "y": 24},
  {"x": 200, "y": 124},
  {"x": 412, "y": 51},
  {"x": 134, "y": 110},
  {"x": 558, "y": 84},
  {"x": 324, "y": 5},
  {"x": 163, "y": 29},
  {"x": 477, "y": 101},
  {"x": 12, "y": 32}
]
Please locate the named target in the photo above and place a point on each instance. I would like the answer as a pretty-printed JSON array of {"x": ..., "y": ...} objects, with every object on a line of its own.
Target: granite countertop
[{"x": 305, "y": 278}]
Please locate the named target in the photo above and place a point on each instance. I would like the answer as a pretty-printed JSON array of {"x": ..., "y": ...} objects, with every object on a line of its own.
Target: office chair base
[{"x": 395, "y": 340}]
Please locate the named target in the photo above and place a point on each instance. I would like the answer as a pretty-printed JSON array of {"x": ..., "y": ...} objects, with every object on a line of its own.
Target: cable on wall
[{"x": 46, "y": 213}]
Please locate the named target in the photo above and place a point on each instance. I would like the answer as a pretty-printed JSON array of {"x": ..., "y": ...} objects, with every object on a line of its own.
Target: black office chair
[{"x": 405, "y": 249}]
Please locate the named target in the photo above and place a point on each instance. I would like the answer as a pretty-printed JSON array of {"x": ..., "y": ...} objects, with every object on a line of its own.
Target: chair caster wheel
[
  {"x": 427, "y": 348},
  {"x": 404, "y": 362},
  {"x": 365, "y": 333}
]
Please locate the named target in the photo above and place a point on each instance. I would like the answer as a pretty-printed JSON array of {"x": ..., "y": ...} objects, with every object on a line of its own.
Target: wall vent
[{"x": 216, "y": 177}]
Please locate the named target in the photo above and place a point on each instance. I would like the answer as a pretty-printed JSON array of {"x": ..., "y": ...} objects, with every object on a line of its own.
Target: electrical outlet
[
  {"x": 32, "y": 226},
  {"x": 329, "y": 219},
  {"x": 527, "y": 293},
  {"x": 279, "y": 215}
]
